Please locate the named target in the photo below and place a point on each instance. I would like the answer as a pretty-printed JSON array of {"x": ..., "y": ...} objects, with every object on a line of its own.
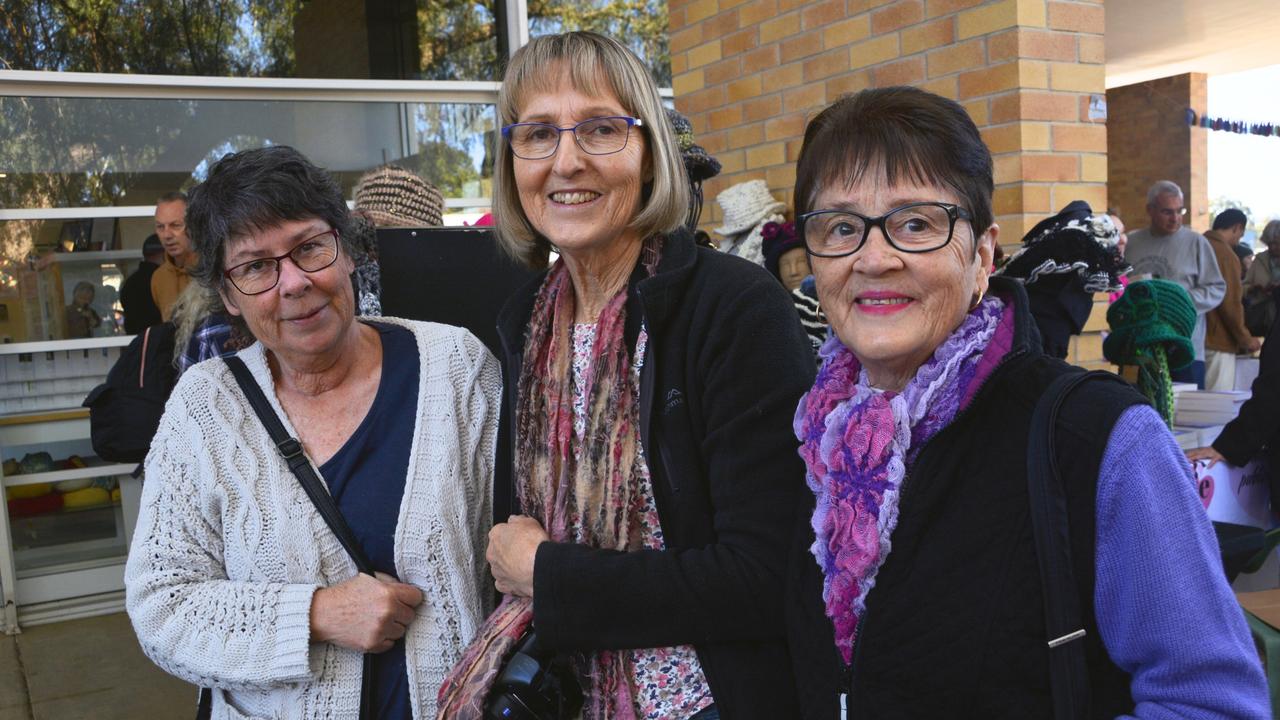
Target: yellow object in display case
[{"x": 88, "y": 497}]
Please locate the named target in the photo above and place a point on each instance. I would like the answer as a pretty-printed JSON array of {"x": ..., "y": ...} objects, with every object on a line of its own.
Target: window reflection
[
  {"x": 640, "y": 24},
  {"x": 85, "y": 152},
  {"x": 385, "y": 39}
]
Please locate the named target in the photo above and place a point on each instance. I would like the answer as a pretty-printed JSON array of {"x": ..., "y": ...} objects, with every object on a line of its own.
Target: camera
[{"x": 533, "y": 685}]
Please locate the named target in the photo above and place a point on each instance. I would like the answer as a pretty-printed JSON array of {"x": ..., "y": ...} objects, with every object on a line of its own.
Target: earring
[{"x": 977, "y": 300}]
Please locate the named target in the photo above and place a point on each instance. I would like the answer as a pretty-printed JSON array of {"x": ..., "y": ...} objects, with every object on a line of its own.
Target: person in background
[
  {"x": 234, "y": 581},
  {"x": 785, "y": 257},
  {"x": 1064, "y": 260},
  {"x": 1167, "y": 250},
  {"x": 140, "y": 311},
  {"x": 651, "y": 384},
  {"x": 915, "y": 588},
  {"x": 1256, "y": 430},
  {"x": 1245, "y": 254},
  {"x": 1264, "y": 275},
  {"x": 82, "y": 319},
  {"x": 1225, "y": 333},
  {"x": 387, "y": 196},
  {"x": 1122, "y": 240},
  {"x": 172, "y": 277}
]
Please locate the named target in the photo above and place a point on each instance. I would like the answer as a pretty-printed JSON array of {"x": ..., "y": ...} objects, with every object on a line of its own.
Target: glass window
[
  {"x": 384, "y": 39},
  {"x": 87, "y": 152},
  {"x": 640, "y": 24}
]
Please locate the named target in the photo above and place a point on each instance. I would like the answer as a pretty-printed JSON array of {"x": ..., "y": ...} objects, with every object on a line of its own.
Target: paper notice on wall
[{"x": 1098, "y": 107}]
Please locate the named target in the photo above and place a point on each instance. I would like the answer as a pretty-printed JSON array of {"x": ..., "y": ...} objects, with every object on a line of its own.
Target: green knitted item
[{"x": 1151, "y": 326}]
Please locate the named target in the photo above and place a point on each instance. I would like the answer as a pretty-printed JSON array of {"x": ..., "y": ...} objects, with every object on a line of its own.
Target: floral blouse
[{"x": 666, "y": 682}]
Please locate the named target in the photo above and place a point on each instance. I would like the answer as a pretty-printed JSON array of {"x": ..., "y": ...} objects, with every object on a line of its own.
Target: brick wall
[
  {"x": 749, "y": 73},
  {"x": 1148, "y": 139}
]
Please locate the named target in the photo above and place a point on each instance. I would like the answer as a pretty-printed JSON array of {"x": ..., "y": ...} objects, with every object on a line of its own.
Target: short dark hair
[
  {"x": 256, "y": 190},
  {"x": 173, "y": 196},
  {"x": 1230, "y": 218},
  {"x": 904, "y": 133}
]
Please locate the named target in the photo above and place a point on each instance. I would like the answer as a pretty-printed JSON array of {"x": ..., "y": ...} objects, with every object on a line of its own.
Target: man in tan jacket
[
  {"x": 169, "y": 280},
  {"x": 1225, "y": 333}
]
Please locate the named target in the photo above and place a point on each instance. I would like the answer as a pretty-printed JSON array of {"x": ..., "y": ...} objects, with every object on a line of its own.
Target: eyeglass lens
[
  {"x": 310, "y": 255},
  {"x": 597, "y": 136},
  {"x": 915, "y": 228}
]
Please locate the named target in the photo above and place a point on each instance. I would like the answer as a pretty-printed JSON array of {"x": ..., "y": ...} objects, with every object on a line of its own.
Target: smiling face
[
  {"x": 893, "y": 309},
  {"x": 306, "y": 314},
  {"x": 581, "y": 203}
]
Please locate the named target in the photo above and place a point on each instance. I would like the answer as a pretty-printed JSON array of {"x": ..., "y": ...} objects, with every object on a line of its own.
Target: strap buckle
[
  {"x": 1057, "y": 642},
  {"x": 290, "y": 448}
]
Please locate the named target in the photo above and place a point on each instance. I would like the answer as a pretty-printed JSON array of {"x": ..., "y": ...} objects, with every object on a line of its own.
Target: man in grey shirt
[{"x": 1169, "y": 251}]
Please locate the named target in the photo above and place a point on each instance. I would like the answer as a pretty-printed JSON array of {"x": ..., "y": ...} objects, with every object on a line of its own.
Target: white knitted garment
[
  {"x": 750, "y": 245},
  {"x": 229, "y": 550}
]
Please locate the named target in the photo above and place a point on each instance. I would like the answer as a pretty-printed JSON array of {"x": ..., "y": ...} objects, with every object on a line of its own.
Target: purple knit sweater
[{"x": 1164, "y": 609}]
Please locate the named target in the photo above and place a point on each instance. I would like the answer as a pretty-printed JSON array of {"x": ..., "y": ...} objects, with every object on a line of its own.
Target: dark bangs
[{"x": 900, "y": 134}]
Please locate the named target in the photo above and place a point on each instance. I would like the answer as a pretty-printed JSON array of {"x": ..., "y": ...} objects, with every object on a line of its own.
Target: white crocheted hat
[{"x": 746, "y": 205}]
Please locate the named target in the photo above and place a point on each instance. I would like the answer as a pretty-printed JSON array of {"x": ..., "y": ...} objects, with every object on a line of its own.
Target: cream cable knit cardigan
[{"x": 228, "y": 548}]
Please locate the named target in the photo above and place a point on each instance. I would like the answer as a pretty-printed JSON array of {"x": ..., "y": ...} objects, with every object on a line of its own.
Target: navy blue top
[{"x": 366, "y": 478}]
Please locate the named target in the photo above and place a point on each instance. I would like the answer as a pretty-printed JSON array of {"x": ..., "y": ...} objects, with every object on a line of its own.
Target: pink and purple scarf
[{"x": 858, "y": 442}]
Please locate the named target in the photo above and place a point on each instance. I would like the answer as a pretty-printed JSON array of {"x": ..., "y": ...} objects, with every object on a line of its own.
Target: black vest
[{"x": 954, "y": 626}]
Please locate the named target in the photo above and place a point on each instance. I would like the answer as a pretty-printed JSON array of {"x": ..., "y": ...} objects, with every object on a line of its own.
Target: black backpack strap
[
  {"x": 1050, "y": 524},
  {"x": 292, "y": 452}
]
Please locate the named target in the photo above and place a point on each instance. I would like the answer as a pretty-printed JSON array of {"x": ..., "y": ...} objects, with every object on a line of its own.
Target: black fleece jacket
[
  {"x": 727, "y": 362},
  {"x": 1258, "y": 424}
]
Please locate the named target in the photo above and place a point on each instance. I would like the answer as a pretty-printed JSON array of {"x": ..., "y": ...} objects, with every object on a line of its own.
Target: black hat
[
  {"x": 1075, "y": 241},
  {"x": 152, "y": 245}
]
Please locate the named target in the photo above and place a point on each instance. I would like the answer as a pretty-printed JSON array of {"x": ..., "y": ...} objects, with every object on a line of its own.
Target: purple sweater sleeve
[{"x": 1165, "y": 611}]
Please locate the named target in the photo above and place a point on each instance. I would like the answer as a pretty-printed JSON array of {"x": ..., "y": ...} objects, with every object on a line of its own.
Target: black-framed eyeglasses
[
  {"x": 259, "y": 275},
  {"x": 914, "y": 228},
  {"x": 596, "y": 136}
]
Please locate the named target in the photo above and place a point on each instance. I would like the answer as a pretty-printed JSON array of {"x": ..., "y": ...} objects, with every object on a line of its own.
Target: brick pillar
[
  {"x": 749, "y": 73},
  {"x": 1148, "y": 139}
]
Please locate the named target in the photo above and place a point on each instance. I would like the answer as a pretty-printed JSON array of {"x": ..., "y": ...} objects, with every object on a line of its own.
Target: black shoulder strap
[
  {"x": 291, "y": 450},
  {"x": 1069, "y": 679}
]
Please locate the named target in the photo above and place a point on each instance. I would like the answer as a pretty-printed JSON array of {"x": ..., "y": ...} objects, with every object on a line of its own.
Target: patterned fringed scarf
[
  {"x": 858, "y": 443},
  {"x": 584, "y": 499}
]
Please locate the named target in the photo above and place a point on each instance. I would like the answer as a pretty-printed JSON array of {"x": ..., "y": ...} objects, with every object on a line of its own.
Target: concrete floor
[{"x": 91, "y": 669}]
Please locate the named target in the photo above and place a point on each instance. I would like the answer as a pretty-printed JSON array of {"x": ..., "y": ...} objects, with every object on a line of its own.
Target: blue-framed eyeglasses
[
  {"x": 914, "y": 228},
  {"x": 596, "y": 136}
]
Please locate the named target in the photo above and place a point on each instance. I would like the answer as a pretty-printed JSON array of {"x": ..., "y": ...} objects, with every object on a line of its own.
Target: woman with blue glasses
[{"x": 651, "y": 385}]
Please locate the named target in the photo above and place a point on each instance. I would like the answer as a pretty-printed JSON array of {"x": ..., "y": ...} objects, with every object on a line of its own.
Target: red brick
[
  {"x": 1078, "y": 17},
  {"x": 1050, "y": 168},
  {"x": 756, "y": 12},
  {"x": 936, "y": 8},
  {"x": 801, "y": 46},
  {"x": 848, "y": 83},
  {"x": 719, "y": 25},
  {"x": 1004, "y": 46},
  {"x": 989, "y": 80},
  {"x": 805, "y": 96},
  {"x": 726, "y": 117},
  {"x": 1080, "y": 138},
  {"x": 760, "y": 59},
  {"x": 1091, "y": 49},
  {"x": 746, "y": 135},
  {"x": 785, "y": 127},
  {"x": 929, "y": 35},
  {"x": 1049, "y": 106},
  {"x": 903, "y": 72},
  {"x": 721, "y": 72},
  {"x": 1048, "y": 45},
  {"x": 686, "y": 38},
  {"x": 955, "y": 58},
  {"x": 762, "y": 108},
  {"x": 783, "y": 77},
  {"x": 827, "y": 64},
  {"x": 739, "y": 42},
  {"x": 1006, "y": 107},
  {"x": 704, "y": 100},
  {"x": 819, "y": 14},
  {"x": 897, "y": 16}
]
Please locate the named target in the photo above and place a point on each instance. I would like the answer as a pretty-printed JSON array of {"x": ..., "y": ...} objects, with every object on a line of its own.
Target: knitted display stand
[
  {"x": 392, "y": 196},
  {"x": 1151, "y": 326}
]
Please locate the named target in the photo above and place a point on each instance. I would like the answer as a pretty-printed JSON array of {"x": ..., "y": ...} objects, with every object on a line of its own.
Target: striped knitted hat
[{"x": 392, "y": 196}]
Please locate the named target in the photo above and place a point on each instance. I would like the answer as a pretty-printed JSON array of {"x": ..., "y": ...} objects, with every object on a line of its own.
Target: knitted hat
[
  {"x": 1151, "y": 314},
  {"x": 778, "y": 238},
  {"x": 392, "y": 196},
  {"x": 746, "y": 205},
  {"x": 1073, "y": 241},
  {"x": 697, "y": 162}
]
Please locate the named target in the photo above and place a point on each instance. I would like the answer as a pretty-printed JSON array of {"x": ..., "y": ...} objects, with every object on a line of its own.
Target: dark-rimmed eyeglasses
[
  {"x": 915, "y": 228},
  {"x": 259, "y": 275},
  {"x": 596, "y": 136}
]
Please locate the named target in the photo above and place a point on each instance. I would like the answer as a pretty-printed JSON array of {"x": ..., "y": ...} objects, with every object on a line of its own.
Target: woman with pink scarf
[{"x": 915, "y": 589}]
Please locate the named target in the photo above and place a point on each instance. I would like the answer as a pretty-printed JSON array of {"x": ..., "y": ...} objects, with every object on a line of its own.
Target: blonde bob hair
[{"x": 594, "y": 64}]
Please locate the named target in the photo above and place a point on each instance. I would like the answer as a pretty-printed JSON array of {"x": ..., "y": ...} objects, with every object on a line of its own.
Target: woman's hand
[
  {"x": 364, "y": 613},
  {"x": 513, "y": 545},
  {"x": 1205, "y": 453}
]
